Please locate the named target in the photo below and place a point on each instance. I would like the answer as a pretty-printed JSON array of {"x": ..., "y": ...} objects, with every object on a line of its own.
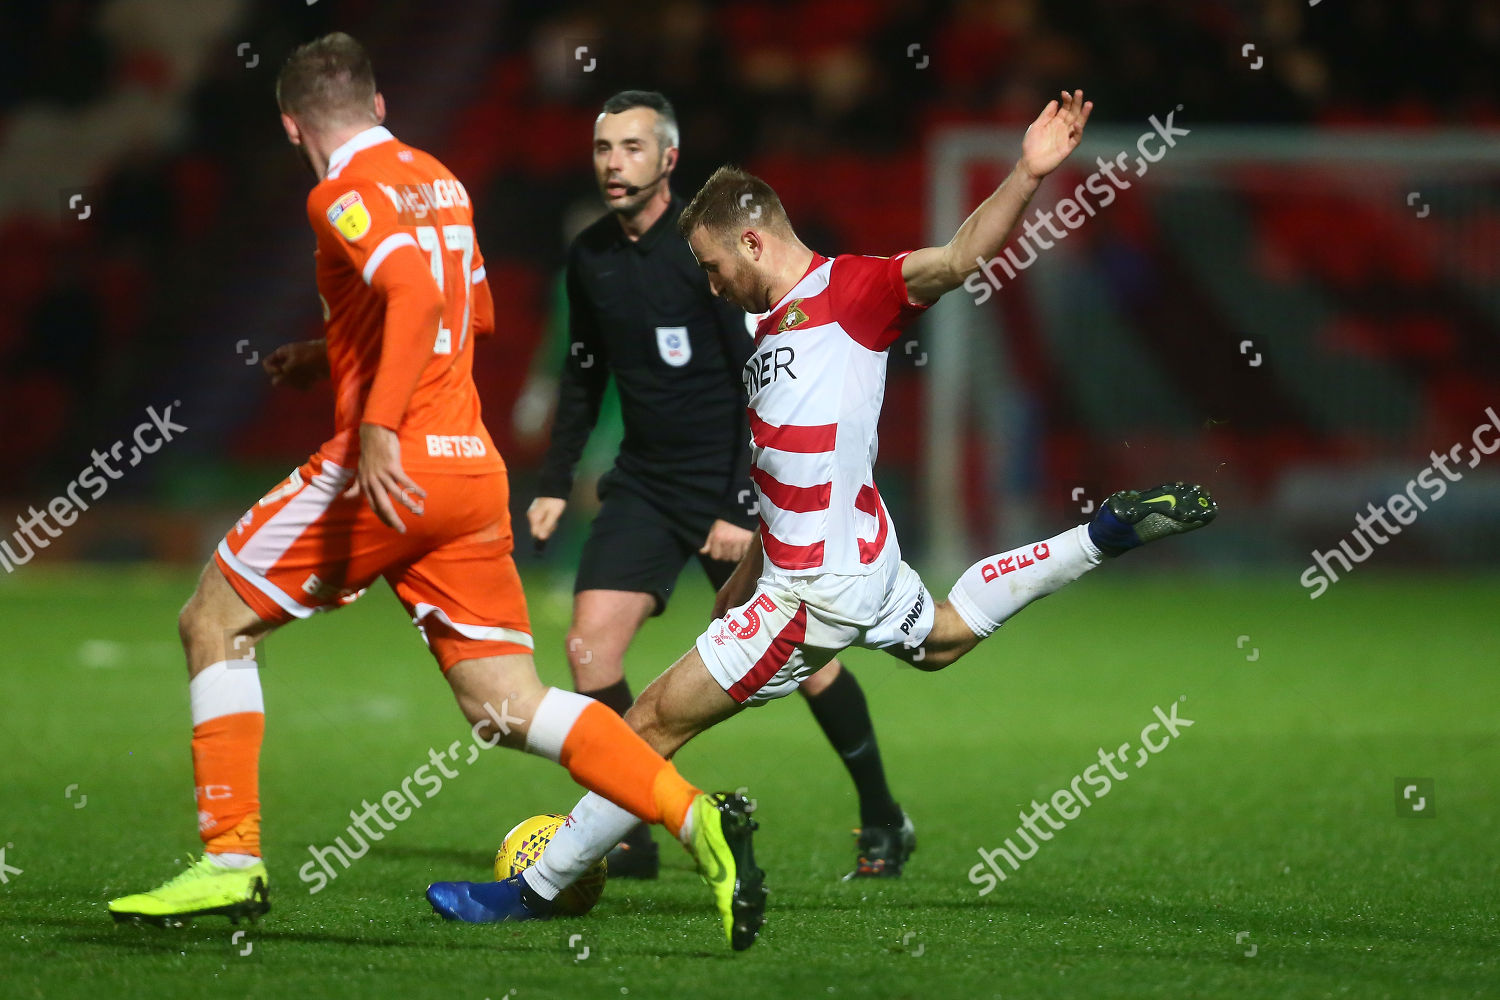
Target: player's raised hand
[
  {"x": 1055, "y": 133},
  {"x": 299, "y": 364},
  {"x": 381, "y": 477}
]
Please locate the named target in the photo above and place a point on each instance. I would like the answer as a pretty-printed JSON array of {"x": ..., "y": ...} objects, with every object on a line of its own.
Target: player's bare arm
[
  {"x": 413, "y": 316},
  {"x": 381, "y": 477},
  {"x": 741, "y": 584},
  {"x": 933, "y": 271},
  {"x": 300, "y": 364}
]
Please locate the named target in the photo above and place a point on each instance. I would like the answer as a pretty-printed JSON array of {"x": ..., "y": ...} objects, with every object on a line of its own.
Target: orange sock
[
  {"x": 604, "y": 755},
  {"x": 674, "y": 796},
  {"x": 229, "y": 723}
]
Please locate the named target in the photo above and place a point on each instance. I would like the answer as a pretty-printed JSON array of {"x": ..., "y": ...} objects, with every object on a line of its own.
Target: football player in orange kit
[{"x": 409, "y": 488}]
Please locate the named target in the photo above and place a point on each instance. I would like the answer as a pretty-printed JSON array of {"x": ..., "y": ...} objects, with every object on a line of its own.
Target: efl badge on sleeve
[
  {"x": 672, "y": 341},
  {"x": 350, "y": 216}
]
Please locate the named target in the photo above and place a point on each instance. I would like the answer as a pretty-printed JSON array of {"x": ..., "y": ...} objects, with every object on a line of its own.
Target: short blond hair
[
  {"x": 731, "y": 201},
  {"x": 329, "y": 81}
]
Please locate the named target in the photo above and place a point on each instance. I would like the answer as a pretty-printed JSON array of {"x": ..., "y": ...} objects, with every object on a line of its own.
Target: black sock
[
  {"x": 618, "y": 698},
  {"x": 535, "y": 901},
  {"x": 841, "y": 710}
]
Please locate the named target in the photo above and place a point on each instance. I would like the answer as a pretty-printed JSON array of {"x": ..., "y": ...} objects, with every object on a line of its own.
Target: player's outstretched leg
[
  {"x": 716, "y": 829},
  {"x": 594, "y": 825},
  {"x": 597, "y": 747},
  {"x": 718, "y": 834},
  {"x": 218, "y": 634},
  {"x": 996, "y": 588}
]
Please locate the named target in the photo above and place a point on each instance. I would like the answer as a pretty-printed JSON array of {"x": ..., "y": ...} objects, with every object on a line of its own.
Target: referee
[{"x": 640, "y": 310}]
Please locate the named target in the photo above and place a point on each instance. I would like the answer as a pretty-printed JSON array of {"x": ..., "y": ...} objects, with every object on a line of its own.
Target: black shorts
[{"x": 636, "y": 545}]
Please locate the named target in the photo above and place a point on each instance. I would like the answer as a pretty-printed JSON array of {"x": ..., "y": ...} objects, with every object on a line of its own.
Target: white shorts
[{"x": 793, "y": 625}]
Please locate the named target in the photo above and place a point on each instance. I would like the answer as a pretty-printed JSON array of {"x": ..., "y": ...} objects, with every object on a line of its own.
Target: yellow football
[{"x": 524, "y": 845}]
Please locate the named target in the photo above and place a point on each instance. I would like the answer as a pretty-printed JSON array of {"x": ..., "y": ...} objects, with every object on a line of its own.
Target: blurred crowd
[{"x": 147, "y": 201}]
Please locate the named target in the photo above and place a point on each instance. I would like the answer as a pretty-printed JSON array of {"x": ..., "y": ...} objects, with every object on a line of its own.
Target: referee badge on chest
[{"x": 673, "y": 343}]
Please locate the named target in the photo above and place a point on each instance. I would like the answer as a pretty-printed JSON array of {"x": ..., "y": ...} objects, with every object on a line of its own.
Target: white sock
[
  {"x": 225, "y": 688},
  {"x": 553, "y": 720},
  {"x": 594, "y": 827},
  {"x": 995, "y": 588},
  {"x": 234, "y": 860}
]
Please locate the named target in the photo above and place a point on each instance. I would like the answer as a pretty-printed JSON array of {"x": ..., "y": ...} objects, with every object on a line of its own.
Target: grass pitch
[{"x": 1260, "y": 854}]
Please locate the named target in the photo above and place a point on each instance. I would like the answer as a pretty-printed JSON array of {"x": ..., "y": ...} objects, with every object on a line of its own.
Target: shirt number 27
[{"x": 457, "y": 239}]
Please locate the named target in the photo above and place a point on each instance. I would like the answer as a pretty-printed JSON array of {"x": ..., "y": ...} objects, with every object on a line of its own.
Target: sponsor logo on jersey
[
  {"x": 914, "y": 613},
  {"x": 766, "y": 367},
  {"x": 455, "y": 446},
  {"x": 350, "y": 216},
  {"x": 792, "y": 316},
  {"x": 673, "y": 343}
]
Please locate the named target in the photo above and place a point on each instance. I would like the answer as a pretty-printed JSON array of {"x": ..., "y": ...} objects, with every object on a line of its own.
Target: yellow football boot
[{"x": 205, "y": 889}]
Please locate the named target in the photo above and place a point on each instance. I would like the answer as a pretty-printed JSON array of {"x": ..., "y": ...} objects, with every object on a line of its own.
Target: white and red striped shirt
[{"x": 815, "y": 382}]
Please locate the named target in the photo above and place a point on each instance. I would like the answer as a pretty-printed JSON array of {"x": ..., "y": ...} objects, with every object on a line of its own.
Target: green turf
[{"x": 1270, "y": 825}]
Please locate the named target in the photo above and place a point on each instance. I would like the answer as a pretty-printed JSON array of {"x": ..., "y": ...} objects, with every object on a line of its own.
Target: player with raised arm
[
  {"x": 826, "y": 572},
  {"x": 640, "y": 312},
  {"x": 409, "y": 488}
]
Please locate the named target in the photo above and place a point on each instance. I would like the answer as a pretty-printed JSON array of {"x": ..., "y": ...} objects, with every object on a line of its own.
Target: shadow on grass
[
  {"x": 198, "y": 938},
  {"x": 214, "y": 936}
]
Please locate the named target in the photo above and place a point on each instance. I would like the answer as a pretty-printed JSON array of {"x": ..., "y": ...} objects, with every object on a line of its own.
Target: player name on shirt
[
  {"x": 421, "y": 199},
  {"x": 392, "y": 222}
]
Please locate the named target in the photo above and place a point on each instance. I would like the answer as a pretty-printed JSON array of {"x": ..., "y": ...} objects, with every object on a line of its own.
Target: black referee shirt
[{"x": 641, "y": 311}]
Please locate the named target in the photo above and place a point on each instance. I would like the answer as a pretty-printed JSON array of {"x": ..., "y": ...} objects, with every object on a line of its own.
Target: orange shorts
[{"x": 307, "y": 547}]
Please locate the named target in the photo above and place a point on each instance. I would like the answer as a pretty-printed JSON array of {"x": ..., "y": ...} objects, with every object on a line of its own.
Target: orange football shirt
[{"x": 404, "y": 297}]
